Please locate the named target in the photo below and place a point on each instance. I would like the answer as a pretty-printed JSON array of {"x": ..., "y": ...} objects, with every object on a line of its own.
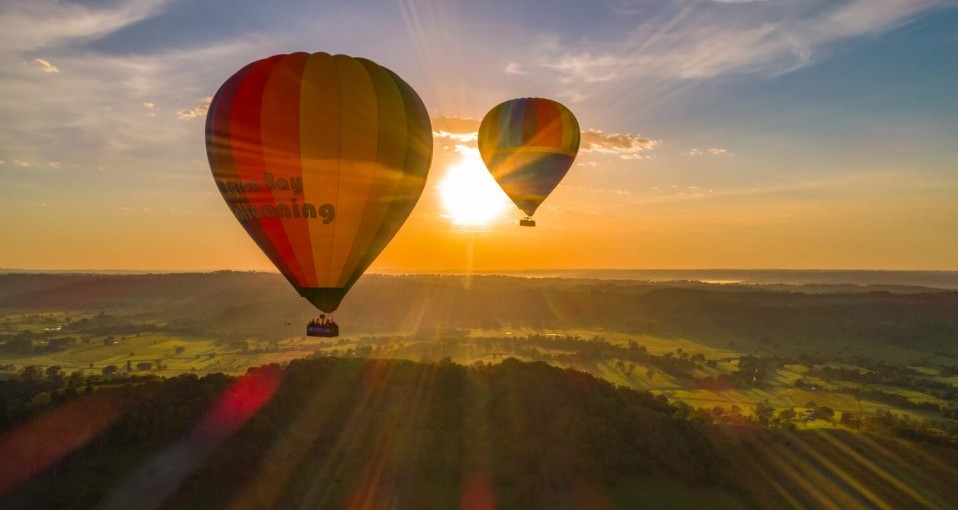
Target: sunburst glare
[{"x": 470, "y": 196}]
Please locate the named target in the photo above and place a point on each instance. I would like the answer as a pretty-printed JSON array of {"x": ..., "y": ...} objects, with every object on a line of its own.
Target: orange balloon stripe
[
  {"x": 549, "y": 123},
  {"x": 515, "y": 122},
  {"x": 320, "y": 140},
  {"x": 281, "y": 155},
  {"x": 390, "y": 153},
  {"x": 358, "y": 145},
  {"x": 414, "y": 169},
  {"x": 529, "y": 121},
  {"x": 570, "y": 130},
  {"x": 246, "y": 135}
]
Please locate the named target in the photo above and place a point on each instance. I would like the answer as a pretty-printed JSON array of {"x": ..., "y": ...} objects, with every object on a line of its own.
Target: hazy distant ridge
[{"x": 930, "y": 279}]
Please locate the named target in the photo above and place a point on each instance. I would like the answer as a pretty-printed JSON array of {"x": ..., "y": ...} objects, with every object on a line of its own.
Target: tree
[
  {"x": 61, "y": 343},
  {"x": 55, "y": 373},
  {"x": 21, "y": 343},
  {"x": 76, "y": 378},
  {"x": 735, "y": 411},
  {"x": 787, "y": 415},
  {"x": 763, "y": 413},
  {"x": 825, "y": 413},
  {"x": 32, "y": 373},
  {"x": 851, "y": 419}
]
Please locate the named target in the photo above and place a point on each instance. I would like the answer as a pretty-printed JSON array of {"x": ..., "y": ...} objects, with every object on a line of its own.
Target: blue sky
[{"x": 778, "y": 124}]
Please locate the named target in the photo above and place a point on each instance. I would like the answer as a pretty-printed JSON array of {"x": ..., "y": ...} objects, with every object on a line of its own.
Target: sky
[{"x": 813, "y": 134}]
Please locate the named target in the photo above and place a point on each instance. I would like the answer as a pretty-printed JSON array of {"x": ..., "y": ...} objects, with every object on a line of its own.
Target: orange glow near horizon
[{"x": 605, "y": 215}]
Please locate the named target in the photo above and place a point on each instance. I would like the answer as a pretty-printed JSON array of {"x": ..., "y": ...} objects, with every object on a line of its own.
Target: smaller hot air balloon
[{"x": 528, "y": 145}]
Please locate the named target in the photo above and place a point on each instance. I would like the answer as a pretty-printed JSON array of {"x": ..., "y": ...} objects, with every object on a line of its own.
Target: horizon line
[{"x": 14, "y": 270}]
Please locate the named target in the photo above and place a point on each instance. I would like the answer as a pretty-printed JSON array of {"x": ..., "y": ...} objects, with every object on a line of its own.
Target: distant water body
[{"x": 933, "y": 279}]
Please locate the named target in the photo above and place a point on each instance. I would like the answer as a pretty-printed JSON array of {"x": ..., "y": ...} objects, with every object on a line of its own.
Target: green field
[
  {"x": 860, "y": 352},
  {"x": 171, "y": 355}
]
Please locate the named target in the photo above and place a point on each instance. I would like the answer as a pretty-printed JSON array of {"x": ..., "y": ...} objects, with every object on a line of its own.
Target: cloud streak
[
  {"x": 514, "y": 68},
  {"x": 460, "y": 132},
  {"x": 714, "y": 151},
  {"x": 45, "y": 66},
  {"x": 718, "y": 37},
  {"x": 625, "y": 145},
  {"x": 197, "y": 111},
  {"x": 585, "y": 67},
  {"x": 464, "y": 131},
  {"x": 32, "y": 25}
]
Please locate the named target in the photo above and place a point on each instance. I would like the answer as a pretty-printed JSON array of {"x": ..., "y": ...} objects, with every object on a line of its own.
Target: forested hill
[
  {"x": 406, "y": 435},
  {"x": 225, "y": 304},
  {"x": 353, "y": 433}
]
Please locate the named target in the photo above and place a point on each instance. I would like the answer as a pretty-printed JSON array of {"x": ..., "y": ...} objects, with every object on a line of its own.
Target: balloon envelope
[
  {"x": 528, "y": 145},
  {"x": 321, "y": 158}
]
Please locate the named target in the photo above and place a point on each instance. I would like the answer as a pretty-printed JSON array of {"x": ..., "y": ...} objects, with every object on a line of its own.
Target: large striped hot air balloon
[
  {"x": 321, "y": 158},
  {"x": 528, "y": 145}
]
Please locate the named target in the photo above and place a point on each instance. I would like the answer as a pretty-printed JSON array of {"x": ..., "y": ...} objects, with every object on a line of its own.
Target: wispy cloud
[
  {"x": 625, "y": 145},
  {"x": 514, "y": 68},
  {"x": 45, "y": 66},
  {"x": 714, "y": 151},
  {"x": 585, "y": 67},
  {"x": 597, "y": 191},
  {"x": 28, "y": 26},
  {"x": 707, "y": 39},
  {"x": 100, "y": 114},
  {"x": 459, "y": 138},
  {"x": 20, "y": 163},
  {"x": 197, "y": 111},
  {"x": 455, "y": 125},
  {"x": 456, "y": 132}
]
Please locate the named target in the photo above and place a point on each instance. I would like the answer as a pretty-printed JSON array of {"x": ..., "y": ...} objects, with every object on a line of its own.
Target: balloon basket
[
  {"x": 527, "y": 222},
  {"x": 322, "y": 327}
]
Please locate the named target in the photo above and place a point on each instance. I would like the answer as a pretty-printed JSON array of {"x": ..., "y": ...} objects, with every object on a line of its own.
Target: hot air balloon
[
  {"x": 321, "y": 158},
  {"x": 528, "y": 145}
]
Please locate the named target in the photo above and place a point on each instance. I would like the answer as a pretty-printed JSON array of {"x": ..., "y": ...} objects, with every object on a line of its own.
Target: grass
[{"x": 206, "y": 355}]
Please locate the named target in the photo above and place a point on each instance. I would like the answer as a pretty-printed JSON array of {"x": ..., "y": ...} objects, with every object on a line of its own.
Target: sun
[{"x": 470, "y": 196}]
